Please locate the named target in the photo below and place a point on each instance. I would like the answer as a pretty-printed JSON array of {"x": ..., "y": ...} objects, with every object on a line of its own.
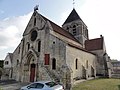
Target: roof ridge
[
  {"x": 94, "y": 39},
  {"x": 66, "y": 34}
]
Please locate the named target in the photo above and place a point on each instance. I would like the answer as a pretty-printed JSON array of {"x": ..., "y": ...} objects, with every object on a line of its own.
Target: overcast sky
[{"x": 101, "y": 17}]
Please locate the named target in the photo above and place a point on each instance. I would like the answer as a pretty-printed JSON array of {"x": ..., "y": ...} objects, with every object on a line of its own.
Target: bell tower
[{"x": 74, "y": 25}]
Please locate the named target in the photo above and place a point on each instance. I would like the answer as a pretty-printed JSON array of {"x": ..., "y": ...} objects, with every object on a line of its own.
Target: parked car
[{"x": 43, "y": 85}]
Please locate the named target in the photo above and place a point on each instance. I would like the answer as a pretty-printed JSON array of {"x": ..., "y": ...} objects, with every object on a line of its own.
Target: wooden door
[{"x": 32, "y": 72}]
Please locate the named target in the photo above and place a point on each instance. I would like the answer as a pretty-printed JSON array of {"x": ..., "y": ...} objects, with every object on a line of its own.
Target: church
[{"x": 63, "y": 54}]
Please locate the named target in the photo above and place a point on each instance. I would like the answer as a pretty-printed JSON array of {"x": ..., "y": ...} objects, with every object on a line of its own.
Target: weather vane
[{"x": 73, "y": 3}]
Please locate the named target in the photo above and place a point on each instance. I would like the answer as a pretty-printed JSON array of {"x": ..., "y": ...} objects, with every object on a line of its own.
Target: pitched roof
[
  {"x": 94, "y": 44},
  {"x": 72, "y": 17},
  {"x": 80, "y": 48},
  {"x": 60, "y": 30}
]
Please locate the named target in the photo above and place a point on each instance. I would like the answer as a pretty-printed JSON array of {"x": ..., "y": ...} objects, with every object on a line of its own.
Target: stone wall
[{"x": 85, "y": 64}]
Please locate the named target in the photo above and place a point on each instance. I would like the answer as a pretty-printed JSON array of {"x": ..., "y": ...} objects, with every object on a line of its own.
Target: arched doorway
[
  {"x": 32, "y": 72},
  {"x": 32, "y": 67}
]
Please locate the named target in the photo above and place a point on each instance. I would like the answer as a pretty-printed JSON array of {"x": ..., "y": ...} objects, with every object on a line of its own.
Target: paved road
[{"x": 11, "y": 85}]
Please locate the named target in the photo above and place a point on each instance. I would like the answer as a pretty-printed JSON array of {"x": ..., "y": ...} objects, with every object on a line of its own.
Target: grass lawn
[
  {"x": 99, "y": 84},
  {"x": 0, "y": 88}
]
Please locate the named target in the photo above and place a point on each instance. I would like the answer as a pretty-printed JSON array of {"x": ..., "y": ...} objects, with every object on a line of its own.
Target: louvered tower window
[{"x": 74, "y": 30}]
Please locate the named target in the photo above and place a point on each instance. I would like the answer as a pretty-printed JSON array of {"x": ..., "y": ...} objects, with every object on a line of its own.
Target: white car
[{"x": 43, "y": 85}]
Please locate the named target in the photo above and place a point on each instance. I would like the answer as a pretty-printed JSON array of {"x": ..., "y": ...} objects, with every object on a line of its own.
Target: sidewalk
[
  {"x": 12, "y": 86},
  {"x": 9, "y": 81}
]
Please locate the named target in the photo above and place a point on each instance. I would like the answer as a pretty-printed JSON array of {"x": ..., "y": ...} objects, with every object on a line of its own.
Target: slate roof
[
  {"x": 60, "y": 30},
  {"x": 72, "y": 17},
  {"x": 94, "y": 44}
]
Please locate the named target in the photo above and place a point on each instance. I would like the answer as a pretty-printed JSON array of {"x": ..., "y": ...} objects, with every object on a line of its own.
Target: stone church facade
[{"x": 50, "y": 52}]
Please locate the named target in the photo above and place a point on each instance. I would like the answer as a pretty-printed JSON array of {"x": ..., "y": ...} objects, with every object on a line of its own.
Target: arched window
[
  {"x": 54, "y": 42},
  {"x": 34, "y": 35},
  {"x": 87, "y": 64},
  {"x": 34, "y": 21},
  {"x": 86, "y": 33},
  {"x": 28, "y": 46},
  {"x": 76, "y": 63},
  {"x": 74, "y": 26},
  {"x": 74, "y": 30},
  {"x": 39, "y": 46},
  {"x": 6, "y": 62},
  {"x": 17, "y": 61},
  {"x": 53, "y": 63},
  {"x": 67, "y": 28}
]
